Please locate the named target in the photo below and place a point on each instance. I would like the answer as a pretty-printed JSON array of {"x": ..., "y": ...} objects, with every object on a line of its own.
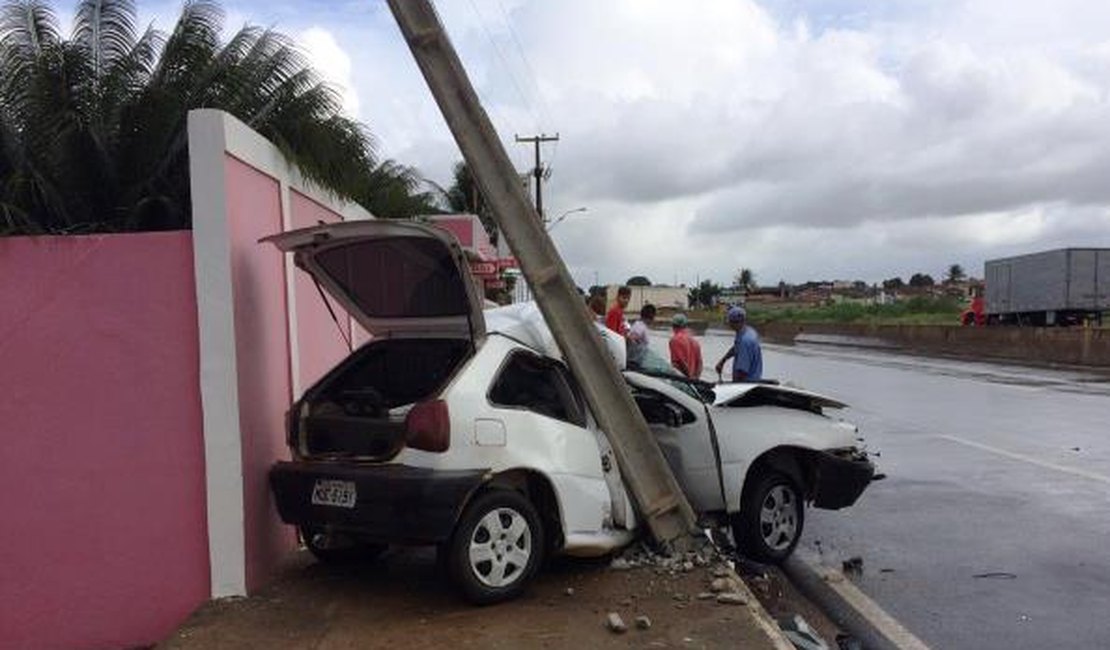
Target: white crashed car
[{"x": 463, "y": 428}]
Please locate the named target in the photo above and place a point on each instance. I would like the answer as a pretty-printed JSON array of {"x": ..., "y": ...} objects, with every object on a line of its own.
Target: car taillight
[{"x": 428, "y": 426}]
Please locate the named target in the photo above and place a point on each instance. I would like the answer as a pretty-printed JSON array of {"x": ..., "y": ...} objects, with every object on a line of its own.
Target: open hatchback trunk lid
[{"x": 391, "y": 276}]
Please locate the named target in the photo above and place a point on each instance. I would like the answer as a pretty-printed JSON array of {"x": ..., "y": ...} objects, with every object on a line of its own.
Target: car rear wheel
[
  {"x": 337, "y": 548},
  {"x": 771, "y": 517},
  {"x": 496, "y": 548}
]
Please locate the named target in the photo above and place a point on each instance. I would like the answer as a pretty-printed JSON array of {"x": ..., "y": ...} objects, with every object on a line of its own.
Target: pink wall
[
  {"x": 319, "y": 342},
  {"x": 261, "y": 344},
  {"x": 104, "y": 537}
]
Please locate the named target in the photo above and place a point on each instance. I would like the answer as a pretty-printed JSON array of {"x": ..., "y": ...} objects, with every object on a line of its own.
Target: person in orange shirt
[
  {"x": 685, "y": 351},
  {"x": 615, "y": 320}
]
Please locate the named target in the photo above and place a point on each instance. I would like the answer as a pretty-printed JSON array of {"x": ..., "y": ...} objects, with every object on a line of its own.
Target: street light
[{"x": 564, "y": 215}]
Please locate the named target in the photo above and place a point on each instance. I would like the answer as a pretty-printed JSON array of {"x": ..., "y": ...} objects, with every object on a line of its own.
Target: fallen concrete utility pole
[{"x": 657, "y": 494}]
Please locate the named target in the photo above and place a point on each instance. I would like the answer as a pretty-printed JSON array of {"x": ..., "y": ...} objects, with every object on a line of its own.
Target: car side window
[
  {"x": 540, "y": 385},
  {"x": 658, "y": 409}
]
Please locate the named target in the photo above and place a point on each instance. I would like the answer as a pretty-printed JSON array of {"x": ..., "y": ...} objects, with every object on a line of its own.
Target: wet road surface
[{"x": 992, "y": 529}]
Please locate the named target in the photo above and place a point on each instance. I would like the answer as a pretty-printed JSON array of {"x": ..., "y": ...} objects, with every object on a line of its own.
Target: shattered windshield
[{"x": 654, "y": 365}]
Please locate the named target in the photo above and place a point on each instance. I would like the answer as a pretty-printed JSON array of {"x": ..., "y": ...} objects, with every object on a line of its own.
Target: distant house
[{"x": 662, "y": 296}]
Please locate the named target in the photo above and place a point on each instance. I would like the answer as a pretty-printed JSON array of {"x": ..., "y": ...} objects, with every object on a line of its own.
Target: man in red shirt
[
  {"x": 614, "y": 320},
  {"x": 685, "y": 351}
]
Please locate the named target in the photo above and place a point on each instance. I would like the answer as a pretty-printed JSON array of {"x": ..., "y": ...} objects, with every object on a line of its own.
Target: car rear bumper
[
  {"x": 393, "y": 503},
  {"x": 840, "y": 480}
]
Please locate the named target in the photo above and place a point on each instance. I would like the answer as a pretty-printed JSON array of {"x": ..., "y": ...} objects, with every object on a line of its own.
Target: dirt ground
[{"x": 401, "y": 601}]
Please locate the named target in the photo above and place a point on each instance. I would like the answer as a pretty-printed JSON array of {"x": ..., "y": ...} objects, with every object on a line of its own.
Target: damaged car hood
[{"x": 741, "y": 394}]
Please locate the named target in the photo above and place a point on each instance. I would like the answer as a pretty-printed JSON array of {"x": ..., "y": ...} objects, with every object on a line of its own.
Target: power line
[
  {"x": 545, "y": 109},
  {"x": 505, "y": 63}
]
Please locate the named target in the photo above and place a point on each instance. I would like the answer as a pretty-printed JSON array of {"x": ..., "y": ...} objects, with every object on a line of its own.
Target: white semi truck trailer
[{"x": 1067, "y": 286}]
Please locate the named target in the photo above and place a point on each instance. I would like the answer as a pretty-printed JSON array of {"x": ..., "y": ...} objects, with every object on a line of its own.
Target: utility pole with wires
[
  {"x": 537, "y": 171},
  {"x": 658, "y": 496}
]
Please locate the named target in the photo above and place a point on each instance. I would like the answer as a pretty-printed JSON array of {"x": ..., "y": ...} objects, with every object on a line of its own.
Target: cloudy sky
[{"x": 821, "y": 139}]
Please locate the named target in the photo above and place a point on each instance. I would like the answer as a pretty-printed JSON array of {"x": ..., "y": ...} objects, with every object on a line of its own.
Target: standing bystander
[
  {"x": 638, "y": 335},
  {"x": 597, "y": 307},
  {"x": 614, "y": 320},
  {"x": 685, "y": 351},
  {"x": 748, "y": 357}
]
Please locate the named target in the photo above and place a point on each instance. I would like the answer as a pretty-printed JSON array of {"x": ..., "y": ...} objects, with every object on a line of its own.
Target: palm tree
[
  {"x": 93, "y": 127},
  {"x": 392, "y": 190},
  {"x": 956, "y": 274},
  {"x": 745, "y": 280},
  {"x": 464, "y": 195}
]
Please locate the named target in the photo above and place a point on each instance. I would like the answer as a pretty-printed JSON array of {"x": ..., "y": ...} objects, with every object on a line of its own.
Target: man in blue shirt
[{"x": 748, "y": 357}]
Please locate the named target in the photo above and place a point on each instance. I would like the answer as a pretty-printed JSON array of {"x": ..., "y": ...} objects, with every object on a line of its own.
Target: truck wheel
[
  {"x": 336, "y": 548},
  {"x": 771, "y": 517},
  {"x": 496, "y": 548}
]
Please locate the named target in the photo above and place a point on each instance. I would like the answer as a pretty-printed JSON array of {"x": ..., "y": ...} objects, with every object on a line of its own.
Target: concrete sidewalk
[{"x": 401, "y": 601}]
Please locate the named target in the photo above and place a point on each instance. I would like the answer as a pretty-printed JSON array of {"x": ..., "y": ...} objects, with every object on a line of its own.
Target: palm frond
[{"x": 105, "y": 29}]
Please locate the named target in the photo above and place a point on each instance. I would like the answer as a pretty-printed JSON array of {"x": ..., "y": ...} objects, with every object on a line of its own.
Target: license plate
[{"x": 328, "y": 492}]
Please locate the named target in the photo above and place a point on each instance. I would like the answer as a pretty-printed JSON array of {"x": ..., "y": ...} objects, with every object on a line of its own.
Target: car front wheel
[
  {"x": 771, "y": 517},
  {"x": 496, "y": 547}
]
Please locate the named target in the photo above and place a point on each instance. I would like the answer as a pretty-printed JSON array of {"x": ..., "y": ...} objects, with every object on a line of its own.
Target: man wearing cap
[
  {"x": 685, "y": 351},
  {"x": 747, "y": 356}
]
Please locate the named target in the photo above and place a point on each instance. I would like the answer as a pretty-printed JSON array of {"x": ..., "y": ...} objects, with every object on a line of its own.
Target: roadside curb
[
  {"x": 762, "y": 617},
  {"x": 847, "y": 606}
]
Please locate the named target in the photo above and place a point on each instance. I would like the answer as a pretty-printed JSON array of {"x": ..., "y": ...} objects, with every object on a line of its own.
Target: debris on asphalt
[
  {"x": 732, "y": 598},
  {"x": 848, "y": 642},
  {"x": 801, "y": 634},
  {"x": 615, "y": 623},
  {"x": 569, "y": 591},
  {"x": 886, "y": 570},
  {"x": 720, "y": 584},
  {"x": 853, "y": 565},
  {"x": 643, "y": 623},
  {"x": 620, "y": 564},
  {"x": 996, "y": 575},
  {"x": 706, "y": 595}
]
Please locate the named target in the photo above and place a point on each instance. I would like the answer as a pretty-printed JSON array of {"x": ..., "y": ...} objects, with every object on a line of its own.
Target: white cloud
[
  {"x": 333, "y": 64},
  {"x": 838, "y": 138}
]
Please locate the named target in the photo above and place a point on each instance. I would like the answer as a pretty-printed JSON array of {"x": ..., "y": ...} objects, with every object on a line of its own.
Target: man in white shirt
[{"x": 638, "y": 335}]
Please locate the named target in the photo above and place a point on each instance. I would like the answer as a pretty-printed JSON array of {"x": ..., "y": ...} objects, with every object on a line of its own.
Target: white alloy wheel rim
[
  {"x": 500, "y": 547},
  {"x": 778, "y": 518}
]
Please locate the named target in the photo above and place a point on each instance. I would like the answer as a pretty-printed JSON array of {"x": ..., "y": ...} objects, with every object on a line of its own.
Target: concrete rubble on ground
[
  {"x": 615, "y": 623},
  {"x": 724, "y": 588},
  {"x": 801, "y": 634}
]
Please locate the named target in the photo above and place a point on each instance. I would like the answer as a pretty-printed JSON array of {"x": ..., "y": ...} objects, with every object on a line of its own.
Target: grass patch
[{"x": 919, "y": 310}]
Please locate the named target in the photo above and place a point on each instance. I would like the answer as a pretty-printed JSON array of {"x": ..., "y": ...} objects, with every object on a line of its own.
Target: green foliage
[
  {"x": 745, "y": 280},
  {"x": 703, "y": 295},
  {"x": 464, "y": 195},
  {"x": 921, "y": 280},
  {"x": 916, "y": 310},
  {"x": 638, "y": 281},
  {"x": 93, "y": 127}
]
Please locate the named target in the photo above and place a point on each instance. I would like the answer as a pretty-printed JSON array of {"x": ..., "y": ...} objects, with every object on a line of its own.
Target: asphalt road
[{"x": 992, "y": 529}]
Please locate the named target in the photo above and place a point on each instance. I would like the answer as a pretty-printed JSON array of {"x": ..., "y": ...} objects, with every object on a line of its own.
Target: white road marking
[
  {"x": 868, "y": 609},
  {"x": 1028, "y": 459}
]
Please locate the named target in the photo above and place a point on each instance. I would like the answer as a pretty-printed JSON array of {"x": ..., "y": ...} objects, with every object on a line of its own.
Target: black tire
[
  {"x": 336, "y": 548},
  {"x": 771, "y": 517},
  {"x": 490, "y": 522}
]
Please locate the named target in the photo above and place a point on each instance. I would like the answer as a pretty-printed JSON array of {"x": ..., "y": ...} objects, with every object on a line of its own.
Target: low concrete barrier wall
[{"x": 1072, "y": 345}]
